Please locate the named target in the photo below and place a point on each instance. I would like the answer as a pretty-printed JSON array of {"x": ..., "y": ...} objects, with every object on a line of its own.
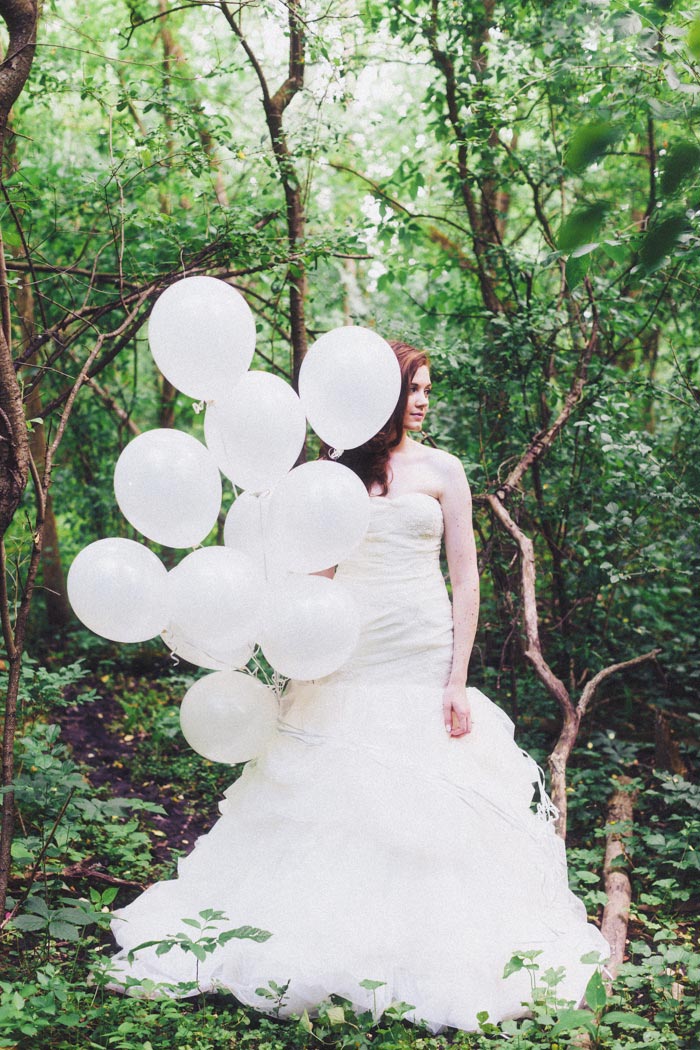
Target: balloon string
[
  {"x": 262, "y": 536},
  {"x": 274, "y": 681}
]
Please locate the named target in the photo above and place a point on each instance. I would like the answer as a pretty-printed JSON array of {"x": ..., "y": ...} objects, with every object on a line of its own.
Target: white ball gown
[{"x": 370, "y": 844}]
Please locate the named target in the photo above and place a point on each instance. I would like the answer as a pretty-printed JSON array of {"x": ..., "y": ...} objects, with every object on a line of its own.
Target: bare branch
[
  {"x": 112, "y": 405},
  {"x": 591, "y": 687},
  {"x": 533, "y": 650},
  {"x": 545, "y": 439},
  {"x": 571, "y": 715}
]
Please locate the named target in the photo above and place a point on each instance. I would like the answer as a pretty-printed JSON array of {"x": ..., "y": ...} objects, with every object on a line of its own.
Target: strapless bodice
[
  {"x": 402, "y": 542},
  {"x": 395, "y": 577}
]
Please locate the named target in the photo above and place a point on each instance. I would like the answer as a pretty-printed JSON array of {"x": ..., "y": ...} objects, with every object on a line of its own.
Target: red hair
[{"x": 371, "y": 460}]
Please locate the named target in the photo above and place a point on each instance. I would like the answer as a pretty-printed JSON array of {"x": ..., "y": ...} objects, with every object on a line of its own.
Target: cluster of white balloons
[{"x": 286, "y": 524}]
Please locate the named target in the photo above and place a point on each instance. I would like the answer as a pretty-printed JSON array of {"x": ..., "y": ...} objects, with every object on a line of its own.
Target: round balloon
[
  {"x": 119, "y": 589},
  {"x": 228, "y": 716},
  {"x": 349, "y": 384},
  {"x": 257, "y": 432},
  {"x": 168, "y": 486},
  {"x": 318, "y": 513},
  {"x": 310, "y": 626},
  {"x": 202, "y": 336},
  {"x": 215, "y": 596},
  {"x": 210, "y": 659}
]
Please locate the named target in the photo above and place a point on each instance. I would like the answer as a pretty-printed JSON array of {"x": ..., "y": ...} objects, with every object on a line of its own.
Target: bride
[{"x": 387, "y": 835}]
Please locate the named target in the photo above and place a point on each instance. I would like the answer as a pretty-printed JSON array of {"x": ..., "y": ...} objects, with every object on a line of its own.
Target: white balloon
[
  {"x": 318, "y": 513},
  {"x": 310, "y": 626},
  {"x": 228, "y": 716},
  {"x": 168, "y": 486},
  {"x": 202, "y": 336},
  {"x": 245, "y": 527},
  {"x": 119, "y": 589},
  {"x": 349, "y": 384},
  {"x": 215, "y": 597},
  {"x": 213, "y": 661},
  {"x": 257, "y": 432}
]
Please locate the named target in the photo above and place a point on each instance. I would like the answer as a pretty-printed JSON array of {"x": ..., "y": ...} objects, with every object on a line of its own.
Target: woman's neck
[{"x": 403, "y": 445}]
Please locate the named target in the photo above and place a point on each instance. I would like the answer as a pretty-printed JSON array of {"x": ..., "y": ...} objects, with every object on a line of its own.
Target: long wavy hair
[{"x": 371, "y": 460}]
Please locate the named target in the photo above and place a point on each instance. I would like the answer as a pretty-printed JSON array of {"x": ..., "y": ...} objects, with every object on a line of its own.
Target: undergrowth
[{"x": 56, "y": 931}]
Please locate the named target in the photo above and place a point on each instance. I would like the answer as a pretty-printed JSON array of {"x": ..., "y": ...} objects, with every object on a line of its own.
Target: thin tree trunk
[
  {"x": 20, "y": 17},
  {"x": 275, "y": 106},
  {"x": 53, "y": 579},
  {"x": 617, "y": 882}
]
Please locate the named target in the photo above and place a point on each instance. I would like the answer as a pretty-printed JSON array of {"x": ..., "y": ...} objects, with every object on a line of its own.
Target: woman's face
[{"x": 418, "y": 397}]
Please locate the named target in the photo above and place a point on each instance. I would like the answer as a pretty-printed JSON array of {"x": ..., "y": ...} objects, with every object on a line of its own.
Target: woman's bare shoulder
[
  {"x": 445, "y": 462},
  {"x": 445, "y": 471}
]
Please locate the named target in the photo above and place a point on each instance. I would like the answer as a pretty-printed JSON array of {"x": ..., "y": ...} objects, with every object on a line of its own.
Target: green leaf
[
  {"x": 305, "y": 1022},
  {"x": 693, "y": 38},
  {"x": 615, "y": 251},
  {"x": 249, "y": 933},
  {"x": 596, "y": 996},
  {"x": 576, "y": 269},
  {"x": 75, "y": 916},
  {"x": 589, "y": 143},
  {"x": 581, "y": 226},
  {"x": 12, "y": 238},
  {"x": 660, "y": 240},
  {"x": 38, "y": 906},
  {"x": 29, "y": 923},
  {"x": 571, "y": 1020},
  {"x": 515, "y": 964},
  {"x": 626, "y": 1020},
  {"x": 163, "y": 947},
  {"x": 336, "y": 1015},
  {"x": 592, "y": 958},
  {"x": 63, "y": 931},
  {"x": 681, "y": 162},
  {"x": 70, "y": 1020},
  {"x": 371, "y": 985}
]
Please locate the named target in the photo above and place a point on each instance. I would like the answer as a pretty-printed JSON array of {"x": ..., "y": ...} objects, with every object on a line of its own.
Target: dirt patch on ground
[{"x": 107, "y": 756}]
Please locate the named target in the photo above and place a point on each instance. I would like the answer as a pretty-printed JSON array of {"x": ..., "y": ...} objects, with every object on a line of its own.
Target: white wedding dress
[{"x": 370, "y": 844}]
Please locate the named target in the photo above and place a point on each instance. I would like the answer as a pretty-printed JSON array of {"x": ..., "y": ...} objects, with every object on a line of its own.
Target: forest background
[{"x": 514, "y": 187}]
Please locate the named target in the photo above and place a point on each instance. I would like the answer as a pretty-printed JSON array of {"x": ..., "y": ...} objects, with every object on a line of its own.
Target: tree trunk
[
  {"x": 617, "y": 882},
  {"x": 275, "y": 106},
  {"x": 20, "y": 17},
  {"x": 58, "y": 612}
]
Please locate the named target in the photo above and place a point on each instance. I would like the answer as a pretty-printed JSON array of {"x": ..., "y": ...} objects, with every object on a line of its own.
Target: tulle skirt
[{"x": 371, "y": 846}]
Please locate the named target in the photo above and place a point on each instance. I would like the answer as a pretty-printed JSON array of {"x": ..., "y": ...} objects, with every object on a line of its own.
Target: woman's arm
[{"x": 460, "y": 547}]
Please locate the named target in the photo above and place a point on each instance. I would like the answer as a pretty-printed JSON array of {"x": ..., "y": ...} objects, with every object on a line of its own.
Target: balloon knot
[
  {"x": 198, "y": 406},
  {"x": 335, "y": 453}
]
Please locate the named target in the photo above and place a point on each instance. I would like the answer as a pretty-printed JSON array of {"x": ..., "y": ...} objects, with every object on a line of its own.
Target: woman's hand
[{"x": 456, "y": 710}]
